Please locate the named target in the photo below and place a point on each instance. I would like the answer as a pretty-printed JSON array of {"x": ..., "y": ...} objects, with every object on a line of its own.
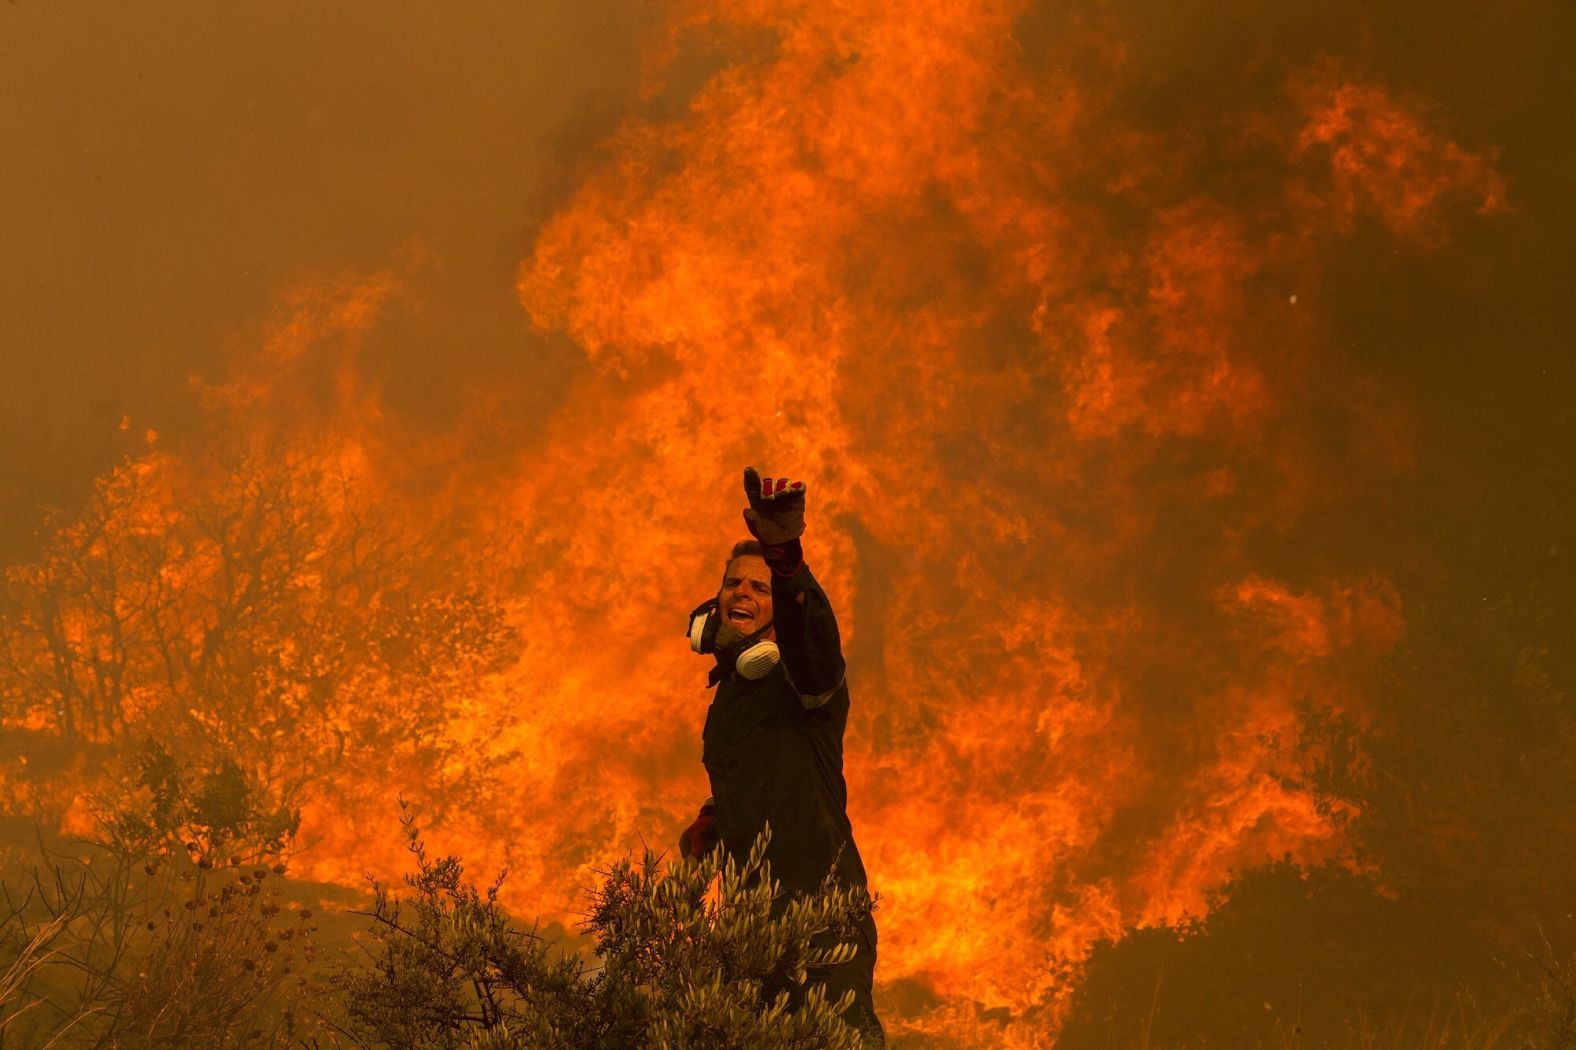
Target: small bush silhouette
[{"x": 697, "y": 954}]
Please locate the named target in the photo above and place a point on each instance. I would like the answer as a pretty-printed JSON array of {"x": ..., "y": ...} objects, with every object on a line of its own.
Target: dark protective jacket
[{"x": 773, "y": 748}]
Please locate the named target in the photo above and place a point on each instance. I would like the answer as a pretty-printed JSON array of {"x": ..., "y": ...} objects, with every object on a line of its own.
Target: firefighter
[{"x": 773, "y": 741}]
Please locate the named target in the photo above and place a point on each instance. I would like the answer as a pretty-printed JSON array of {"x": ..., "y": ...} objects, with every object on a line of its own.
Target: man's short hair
[{"x": 743, "y": 549}]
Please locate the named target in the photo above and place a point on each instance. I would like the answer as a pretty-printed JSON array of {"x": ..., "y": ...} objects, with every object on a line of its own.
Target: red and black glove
[
  {"x": 776, "y": 518},
  {"x": 700, "y": 838}
]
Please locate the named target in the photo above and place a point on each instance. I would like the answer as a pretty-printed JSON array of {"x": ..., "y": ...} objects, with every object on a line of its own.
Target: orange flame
[{"x": 1049, "y": 382}]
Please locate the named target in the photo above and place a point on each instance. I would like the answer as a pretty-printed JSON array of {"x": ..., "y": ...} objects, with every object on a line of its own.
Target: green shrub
[{"x": 697, "y": 954}]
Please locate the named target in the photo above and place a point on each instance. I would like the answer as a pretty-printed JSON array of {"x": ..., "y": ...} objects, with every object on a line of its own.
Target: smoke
[
  {"x": 1051, "y": 308},
  {"x": 174, "y": 172}
]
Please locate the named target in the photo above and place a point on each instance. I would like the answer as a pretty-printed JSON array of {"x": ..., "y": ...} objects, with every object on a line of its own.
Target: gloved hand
[
  {"x": 700, "y": 838},
  {"x": 776, "y": 518},
  {"x": 776, "y": 512}
]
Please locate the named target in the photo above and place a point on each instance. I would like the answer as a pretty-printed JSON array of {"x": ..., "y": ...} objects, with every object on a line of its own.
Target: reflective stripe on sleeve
[{"x": 811, "y": 702}]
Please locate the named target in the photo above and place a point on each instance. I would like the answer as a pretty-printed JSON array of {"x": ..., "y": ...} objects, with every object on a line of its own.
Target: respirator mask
[{"x": 752, "y": 656}]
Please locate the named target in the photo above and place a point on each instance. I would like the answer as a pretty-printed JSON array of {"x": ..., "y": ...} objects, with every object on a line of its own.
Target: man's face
[{"x": 745, "y": 600}]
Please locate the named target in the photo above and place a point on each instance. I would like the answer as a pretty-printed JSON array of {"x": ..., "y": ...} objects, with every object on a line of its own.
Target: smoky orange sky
[{"x": 1158, "y": 377}]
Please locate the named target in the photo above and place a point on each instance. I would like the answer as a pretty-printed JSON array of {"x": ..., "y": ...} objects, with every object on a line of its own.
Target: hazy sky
[{"x": 167, "y": 169}]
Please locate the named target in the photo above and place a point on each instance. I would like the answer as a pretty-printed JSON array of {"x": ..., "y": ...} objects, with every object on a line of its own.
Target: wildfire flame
[{"x": 1052, "y": 372}]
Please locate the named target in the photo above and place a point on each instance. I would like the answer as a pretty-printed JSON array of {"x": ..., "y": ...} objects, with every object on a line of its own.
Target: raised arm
[
  {"x": 806, "y": 630},
  {"x": 807, "y": 636}
]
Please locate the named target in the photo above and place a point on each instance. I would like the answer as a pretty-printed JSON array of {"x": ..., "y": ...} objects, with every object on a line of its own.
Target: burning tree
[{"x": 254, "y": 605}]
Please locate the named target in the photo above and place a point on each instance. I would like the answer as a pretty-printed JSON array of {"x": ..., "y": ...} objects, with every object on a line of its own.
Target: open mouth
[{"x": 740, "y": 615}]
